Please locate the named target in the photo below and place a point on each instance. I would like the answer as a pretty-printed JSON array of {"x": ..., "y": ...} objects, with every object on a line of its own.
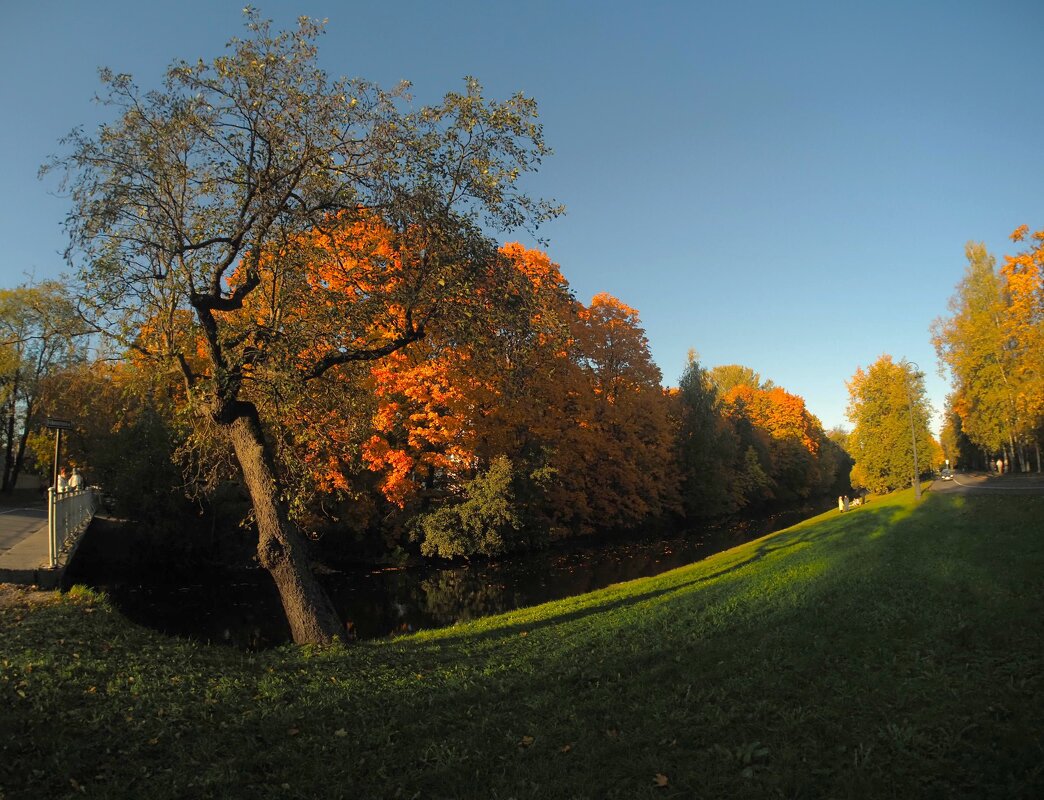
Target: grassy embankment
[{"x": 895, "y": 651}]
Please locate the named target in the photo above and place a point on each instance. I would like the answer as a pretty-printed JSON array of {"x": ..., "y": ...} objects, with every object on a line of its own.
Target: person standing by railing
[
  {"x": 63, "y": 481},
  {"x": 75, "y": 480}
]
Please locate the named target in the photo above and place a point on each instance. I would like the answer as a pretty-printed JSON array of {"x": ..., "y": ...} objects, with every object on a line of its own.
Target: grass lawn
[{"x": 895, "y": 651}]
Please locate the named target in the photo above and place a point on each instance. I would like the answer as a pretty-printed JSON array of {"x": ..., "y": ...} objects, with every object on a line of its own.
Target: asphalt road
[{"x": 985, "y": 483}]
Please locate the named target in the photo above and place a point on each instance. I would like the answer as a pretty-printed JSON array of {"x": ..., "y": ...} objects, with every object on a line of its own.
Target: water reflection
[{"x": 243, "y": 608}]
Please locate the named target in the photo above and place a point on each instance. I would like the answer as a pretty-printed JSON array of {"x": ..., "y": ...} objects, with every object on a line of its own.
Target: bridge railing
[{"x": 68, "y": 513}]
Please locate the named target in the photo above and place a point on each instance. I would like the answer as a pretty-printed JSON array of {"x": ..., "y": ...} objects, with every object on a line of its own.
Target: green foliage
[
  {"x": 756, "y": 446},
  {"x": 41, "y": 334},
  {"x": 752, "y": 481},
  {"x": 957, "y": 447},
  {"x": 888, "y": 408},
  {"x": 707, "y": 448},
  {"x": 835, "y": 464},
  {"x": 485, "y": 522},
  {"x": 124, "y": 438},
  {"x": 725, "y": 376},
  {"x": 992, "y": 344},
  {"x": 974, "y": 347}
]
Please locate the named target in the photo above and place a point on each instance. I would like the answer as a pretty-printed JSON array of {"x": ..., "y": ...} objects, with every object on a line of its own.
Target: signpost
[{"x": 58, "y": 425}]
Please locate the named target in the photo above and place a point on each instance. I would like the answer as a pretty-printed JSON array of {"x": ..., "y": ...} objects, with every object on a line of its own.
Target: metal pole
[
  {"x": 57, "y": 452},
  {"x": 913, "y": 441},
  {"x": 913, "y": 432},
  {"x": 52, "y": 529}
]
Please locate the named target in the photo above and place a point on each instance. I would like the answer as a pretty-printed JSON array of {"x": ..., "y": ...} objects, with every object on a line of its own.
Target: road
[
  {"x": 16, "y": 524},
  {"x": 23, "y": 544},
  {"x": 984, "y": 483}
]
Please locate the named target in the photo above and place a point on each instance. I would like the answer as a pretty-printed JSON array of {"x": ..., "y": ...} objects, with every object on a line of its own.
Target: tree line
[
  {"x": 992, "y": 345},
  {"x": 303, "y": 292},
  {"x": 309, "y": 320},
  {"x": 550, "y": 424}
]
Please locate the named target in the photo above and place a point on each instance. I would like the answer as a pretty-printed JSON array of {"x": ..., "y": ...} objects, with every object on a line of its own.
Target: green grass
[{"x": 895, "y": 651}]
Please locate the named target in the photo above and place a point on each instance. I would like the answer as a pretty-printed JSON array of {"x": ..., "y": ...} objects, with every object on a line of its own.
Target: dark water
[{"x": 242, "y": 608}]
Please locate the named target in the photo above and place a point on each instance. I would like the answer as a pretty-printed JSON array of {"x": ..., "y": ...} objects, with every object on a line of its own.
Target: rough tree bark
[{"x": 281, "y": 547}]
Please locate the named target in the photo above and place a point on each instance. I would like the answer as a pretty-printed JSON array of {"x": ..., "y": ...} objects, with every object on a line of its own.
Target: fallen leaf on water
[
  {"x": 565, "y": 748},
  {"x": 660, "y": 780},
  {"x": 613, "y": 733},
  {"x": 340, "y": 732},
  {"x": 526, "y": 741},
  {"x": 293, "y": 731}
]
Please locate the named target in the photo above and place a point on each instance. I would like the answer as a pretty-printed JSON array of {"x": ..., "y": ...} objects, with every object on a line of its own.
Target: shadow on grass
[
  {"x": 863, "y": 523},
  {"x": 860, "y": 684}
]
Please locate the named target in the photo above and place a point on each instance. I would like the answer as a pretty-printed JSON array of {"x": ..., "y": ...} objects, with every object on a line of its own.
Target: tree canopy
[
  {"x": 992, "y": 344},
  {"x": 41, "y": 334},
  {"x": 260, "y": 225},
  {"x": 889, "y": 413}
]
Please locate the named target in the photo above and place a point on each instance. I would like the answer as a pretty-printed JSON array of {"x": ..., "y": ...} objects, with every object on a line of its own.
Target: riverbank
[
  {"x": 240, "y": 606},
  {"x": 892, "y": 651}
]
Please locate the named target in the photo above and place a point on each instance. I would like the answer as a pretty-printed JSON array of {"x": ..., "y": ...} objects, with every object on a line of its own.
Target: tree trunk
[
  {"x": 8, "y": 480},
  {"x": 23, "y": 440},
  {"x": 19, "y": 461},
  {"x": 281, "y": 547}
]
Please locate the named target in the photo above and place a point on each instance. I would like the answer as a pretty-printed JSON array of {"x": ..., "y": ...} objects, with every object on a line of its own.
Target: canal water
[{"x": 242, "y": 608}]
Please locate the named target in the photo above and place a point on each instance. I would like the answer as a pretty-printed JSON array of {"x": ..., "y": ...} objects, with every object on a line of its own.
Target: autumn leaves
[
  {"x": 520, "y": 414},
  {"x": 992, "y": 343}
]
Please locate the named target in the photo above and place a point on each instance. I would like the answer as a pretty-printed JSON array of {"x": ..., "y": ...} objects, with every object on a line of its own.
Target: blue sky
[{"x": 787, "y": 186}]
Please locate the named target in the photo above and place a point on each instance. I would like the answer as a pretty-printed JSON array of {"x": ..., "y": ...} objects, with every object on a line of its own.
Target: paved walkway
[{"x": 23, "y": 544}]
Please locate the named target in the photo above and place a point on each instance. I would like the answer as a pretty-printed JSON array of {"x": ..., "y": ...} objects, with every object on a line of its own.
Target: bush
[{"x": 486, "y": 522}]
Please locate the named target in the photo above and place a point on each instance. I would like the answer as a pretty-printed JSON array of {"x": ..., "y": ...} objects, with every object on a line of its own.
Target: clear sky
[{"x": 785, "y": 185}]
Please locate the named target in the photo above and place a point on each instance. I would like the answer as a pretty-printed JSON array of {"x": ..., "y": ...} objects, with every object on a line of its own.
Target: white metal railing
[{"x": 68, "y": 513}]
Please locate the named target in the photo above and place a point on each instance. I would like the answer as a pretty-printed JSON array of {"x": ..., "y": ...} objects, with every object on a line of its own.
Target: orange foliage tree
[
  {"x": 309, "y": 224},
  {"x": 615, "y": 461},
  {"x": 794, "y": 435},
  {"x": 993, "y": 346},
  {"x": 1023, "y": 324},
  {"x": 571, "y": 399}
]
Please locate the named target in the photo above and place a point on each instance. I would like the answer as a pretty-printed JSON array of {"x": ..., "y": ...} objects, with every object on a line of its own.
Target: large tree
[
  {"x": 614, "y": 456},
  {"x": 793, "y": 436},
  {"x": 890, "y": 412},
  {"x": 1023, "y": 324},
  {"x": 971, "y": 344},
  {"x": 709, "y": 450},
  {"x": 230, "y": 192}
]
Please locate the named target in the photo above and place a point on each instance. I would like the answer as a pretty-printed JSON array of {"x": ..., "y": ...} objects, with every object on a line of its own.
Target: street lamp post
[{"x": 913, "y": 430}]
